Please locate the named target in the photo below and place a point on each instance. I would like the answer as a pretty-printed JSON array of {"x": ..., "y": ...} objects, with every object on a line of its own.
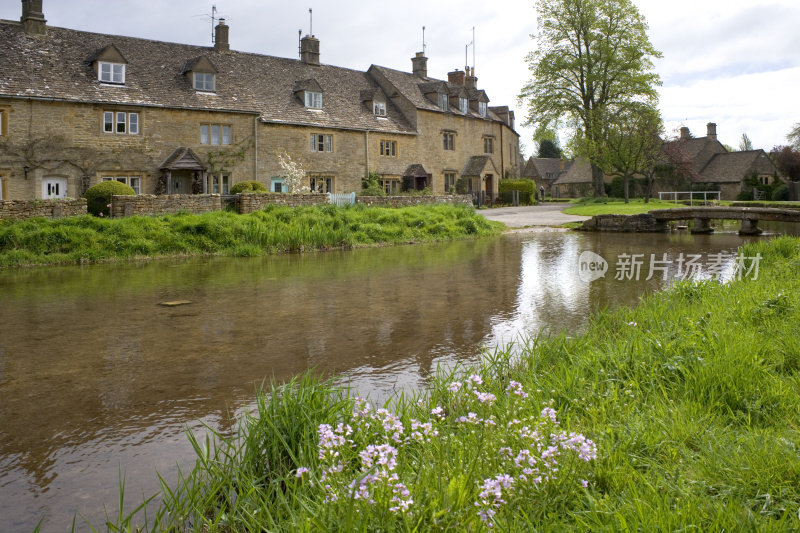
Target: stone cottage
[{"x": 77, "y": 108}]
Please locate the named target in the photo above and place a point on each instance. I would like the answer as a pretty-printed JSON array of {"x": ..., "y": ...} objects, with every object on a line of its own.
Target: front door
[
  {"x": 490, "y": 188},
  {"x": 54, "y": 188}
]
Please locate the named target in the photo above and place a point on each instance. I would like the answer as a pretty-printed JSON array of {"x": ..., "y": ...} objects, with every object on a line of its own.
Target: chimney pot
[
  {"x": 309, "y": 50},
  {"x": 456, "y": 77},
  {"x": 419, "y": 65},
  {"x": 711, "y": 131},
  {"x": 471, "y": 81},
  {"x": 685, "y": 133},
  {"x": 221, "y": 43}
]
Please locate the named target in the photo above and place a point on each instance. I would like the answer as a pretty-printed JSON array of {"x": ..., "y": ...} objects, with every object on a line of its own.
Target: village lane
[{"x": 532, "y": 215}]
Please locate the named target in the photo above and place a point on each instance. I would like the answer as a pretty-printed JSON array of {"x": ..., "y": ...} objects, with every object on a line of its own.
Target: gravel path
[{"x": 533, "y": 215}]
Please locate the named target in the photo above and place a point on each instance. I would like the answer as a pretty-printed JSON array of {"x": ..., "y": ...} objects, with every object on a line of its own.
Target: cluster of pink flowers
[{"x": 491, "y": 496}]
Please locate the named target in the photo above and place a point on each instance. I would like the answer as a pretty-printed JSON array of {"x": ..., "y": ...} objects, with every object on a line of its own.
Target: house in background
[
  {"x": 78, "y": 108},
  {"x": 545, "y": 171}
]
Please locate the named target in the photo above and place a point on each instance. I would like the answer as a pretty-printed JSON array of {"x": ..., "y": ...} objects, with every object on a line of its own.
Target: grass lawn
[
  {"x": 606, "y": 206},
  {"x": 678, "y": 415}
]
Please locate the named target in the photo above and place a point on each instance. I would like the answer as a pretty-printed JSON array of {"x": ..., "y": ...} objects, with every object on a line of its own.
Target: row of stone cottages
[
  {"x": 77, "y": 108},
  {"x": 713, "y": 166}
]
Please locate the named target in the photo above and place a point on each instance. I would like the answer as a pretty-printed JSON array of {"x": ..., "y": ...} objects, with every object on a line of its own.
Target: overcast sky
[{"x": 733, "y": 62}]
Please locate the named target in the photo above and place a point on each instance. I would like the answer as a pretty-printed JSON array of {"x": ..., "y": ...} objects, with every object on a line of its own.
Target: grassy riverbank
[
  {"x": 611, "y": 206},
  {"x": 678, "y": 414},
  {"x": 275, "y": 229}
]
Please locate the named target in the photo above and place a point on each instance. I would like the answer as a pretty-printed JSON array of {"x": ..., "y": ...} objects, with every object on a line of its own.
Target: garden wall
[
  {"x": 22, "y": 209},
  {"x": 162, "y": 204},
  {"x": 248, "y": 203}
]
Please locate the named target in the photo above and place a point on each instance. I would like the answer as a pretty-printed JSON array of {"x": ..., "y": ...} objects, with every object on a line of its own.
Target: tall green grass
[
  {"x": 275, "y": 229},
  {"x": 691, "y": 398}
]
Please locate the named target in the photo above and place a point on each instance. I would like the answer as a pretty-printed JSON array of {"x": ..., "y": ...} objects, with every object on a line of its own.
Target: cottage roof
[
  {"x": 579, "y": 172},
  {"x": 476, "y": 165},
  {"x": 58, "y": 66},
  {"x": 545, "y": 168},
  {"x": 415, "y": 171},
  {"x": 733, "y": 167}
]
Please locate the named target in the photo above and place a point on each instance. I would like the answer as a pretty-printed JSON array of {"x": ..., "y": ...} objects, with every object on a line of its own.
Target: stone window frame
[
  {"x": 388, "y": 148},
  {"x": 321, "y": 142},
  {"x": 321, "y": 183},
  {"x": 449, "y": 178},
  {"x": 207, "y": 130},
  {"x": 110, "y": 74},
  {"x": 134, "y": 181},
  {"x": 488, "y": 144},
  {"x": 220, "y": 183},
  {"x": 129, "y": 122},
  {"x": 379, "y": 109},
  {"x": 202, "y": 80},
  {"x": 448, "y": 140},
  {"x": 391, "y": 184}
]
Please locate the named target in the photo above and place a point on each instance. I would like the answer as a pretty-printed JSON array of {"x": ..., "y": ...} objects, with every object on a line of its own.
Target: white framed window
[
  {"x": 204, "y": 81},
  {"x": 220, "y": 183},
  {"x": 135, "y": 182},
  {"x": 443, "y": 105},
  {"x": 482, "y": 109},
  {"x": 121, "y": 122},
  {"x": 111, "y": 72},
  {"x": 321, "y": 184},
  {"x": 463, "y": 105},
  {"x": 449, "y": 182},
  {"x": 379, "y": 108},
  {"x": 215, "y": 134},
  {"x": 389, "y": 148},
  {"x": 321, "y": 142},
  {"x": 449, "y": 140},
  {"x": 313, "y": 100}
]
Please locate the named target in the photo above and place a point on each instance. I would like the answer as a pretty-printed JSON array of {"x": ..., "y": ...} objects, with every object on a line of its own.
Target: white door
[{"x": 54, "y": 188}]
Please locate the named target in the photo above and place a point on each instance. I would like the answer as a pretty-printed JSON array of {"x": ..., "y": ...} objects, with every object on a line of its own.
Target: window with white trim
[
  {"x": 321, "y": 142},
  {"x": 379, "y": 108},
  {"x": 204, "y": 81},
  {"x": 443, "y": 105},
  {"x": 134, "y": 182},
  {"x": 313, "y": 100},
  {"x": 220, "y": 183},
  {"x": 111, "y": 72},
  {"x": 449, "y": 140},
  {"x": 215, "y": 134},
  {"x": 321, "y": 184},
  {"x": 463, "y": 105},
  {"x": 389, "y": 148},
  {"x": 482, "y": 108},
  {"x": 120, "y": 122}
]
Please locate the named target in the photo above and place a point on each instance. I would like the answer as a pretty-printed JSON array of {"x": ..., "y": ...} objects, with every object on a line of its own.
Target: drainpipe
[
  {"x": 366, "y": 151},
  {"x": 502, "y": 158},
  {"x": 255, "y": 148}
]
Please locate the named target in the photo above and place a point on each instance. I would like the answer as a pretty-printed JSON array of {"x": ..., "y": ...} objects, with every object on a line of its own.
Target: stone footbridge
[{"x": 658, "y": 220}]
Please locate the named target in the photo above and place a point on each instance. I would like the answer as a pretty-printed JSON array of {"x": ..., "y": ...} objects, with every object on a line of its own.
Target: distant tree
[
  {"x": 794, "y": 136},
  {"x": 675, "y": 163},
  {"x": 632, "y": 144},
  {"x": 591, "y": 56},
  {"x": 548, "y": 149},
  {"x": 745, "y": 144},
  {"x": 787, "y": 159}
]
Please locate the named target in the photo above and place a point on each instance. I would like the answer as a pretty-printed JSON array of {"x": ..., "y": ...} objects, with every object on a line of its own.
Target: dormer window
[
  {"x": 482, "y": 109},
  {"x": 463, "y": 105},
  {"x": 443, "y": 102},
  {"x": 313, "y": 100},
  {"x": 379, "y": 109},
  {"x": 111, "y": 72},
  {"x": 204, "y": 81}
]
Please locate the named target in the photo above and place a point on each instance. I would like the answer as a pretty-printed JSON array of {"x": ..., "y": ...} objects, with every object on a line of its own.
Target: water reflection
[{"x": 96, "y": 376}]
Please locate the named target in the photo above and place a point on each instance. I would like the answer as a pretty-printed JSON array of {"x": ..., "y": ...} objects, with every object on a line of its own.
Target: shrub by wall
[
  {"x": 527, "y": 188},
  {"x": 98, "y": 197},
  {"x": 249, "y": 187}
]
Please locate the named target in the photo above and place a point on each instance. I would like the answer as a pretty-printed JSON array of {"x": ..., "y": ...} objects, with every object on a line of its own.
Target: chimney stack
[
  {"x": 685, "y": 133},
  {"x": 419, "y": 65},
  {"x": 711, "y": 131},
  {"x": 470, "y": 80},
  {"x": 221, "y": 37},
  {"x": 309, "y": 50},
  {"x": 456, "y": 77},
  {"x": 33, "y": 17}
]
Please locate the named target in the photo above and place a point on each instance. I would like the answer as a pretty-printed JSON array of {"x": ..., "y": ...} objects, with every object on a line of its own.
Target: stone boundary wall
[
  {"x": 154, "y": 204},
  {"x": 162, "y": 204},
  {"x": 408, "y": 201},
  {"x": 249, "y": 203},
  {"x": 22, "y": 209}
]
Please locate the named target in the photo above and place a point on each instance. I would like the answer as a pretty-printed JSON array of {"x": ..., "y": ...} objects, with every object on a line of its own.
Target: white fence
[
  {"x": 342, "y": 199},
  {"x": 674, "y": 196}
]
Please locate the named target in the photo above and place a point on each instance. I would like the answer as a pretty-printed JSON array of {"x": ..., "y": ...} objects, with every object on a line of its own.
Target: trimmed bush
[
  {"x": 527, "y": 188},
  {"x": 98, "y": 197},
  {"x": 249, "y": 187}
]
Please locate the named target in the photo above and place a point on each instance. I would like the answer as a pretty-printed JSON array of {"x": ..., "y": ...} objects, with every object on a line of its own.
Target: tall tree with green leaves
[
  {"x": 592, "y": 56},
  {"x": 794, "y": 136},
  {"x": 745, "y": 144},
  {"x": 632, "y": 144}
]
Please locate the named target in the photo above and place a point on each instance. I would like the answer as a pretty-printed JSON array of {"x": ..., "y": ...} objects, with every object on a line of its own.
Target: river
[{"x": 98, "y": 380}]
